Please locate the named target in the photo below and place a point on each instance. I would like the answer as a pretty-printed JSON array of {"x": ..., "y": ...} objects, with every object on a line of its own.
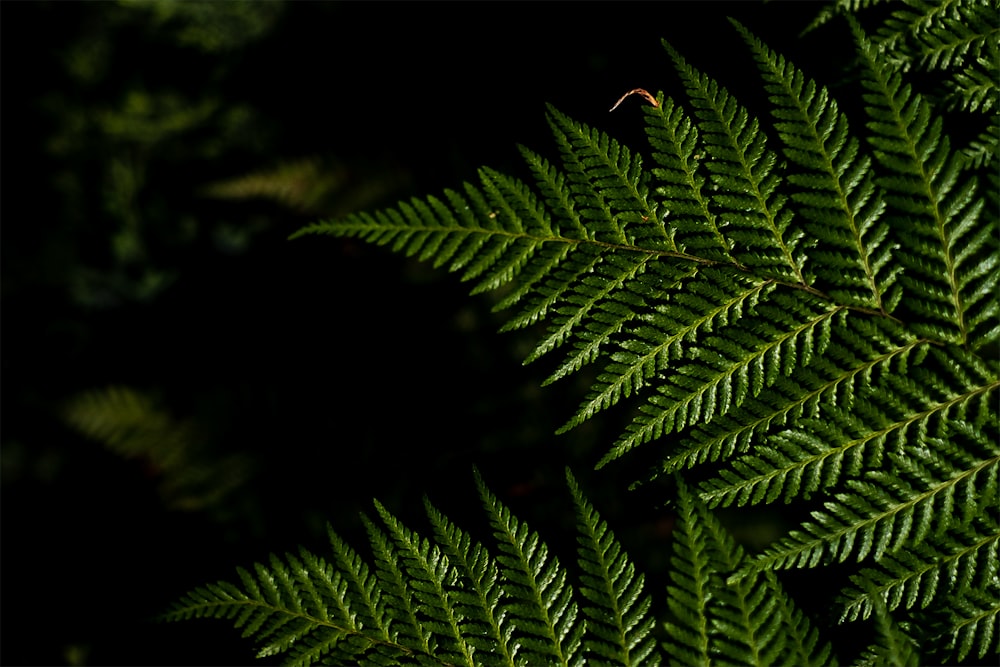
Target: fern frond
[
  {"x": 746, "y": 620},
  {"x": 948, "y": 272},
  {"x": 864, "y": 414},
  {"x": 951, "y": 34},
  {"x": 947, "y": 565},
  {"x": 609, "y": 186},
  {"x": 404, "y": 627},
  {"x": 541, "y": 601},
  {"x": 473, "y": 238},
  {"x": 749, "y": 622},
  {"x": 804, "y": 645},
  {"x": 692, "y": 575},
  {"x": 301, "y": 185},
  {"x": 837, "y": 8},
  {"x": 557, "y": 193},
  {"x": 680, "y": 183},
  {"x": 824, "y": 326},
  {"x": 836, "y": 193},
  {"x": 974, "y": 621},
  {"x": 731, "y": 366},
  {"x": 360, "y": 593},
  {"x": 537, "y": 283},
  {"x": 129, "y": 423},
  {"x": 900, "y": 36},
  {"x": 976, "y": 86},
  {"x": 702, "y": 303},
  {"x": 885, "y": 510},
  {"x": 282, "y": 619},
  {"x": 445, "y": 600},
  {"x": 429, "y": 580},
  {"x": 893, "y": 645},
  {"x": 599, "y": 304},
  {"x": 848, "y": 354},
  {"x": 742, "y": 170},
  {"x": 619, "y": 621},
  {"x": 298, "y": 607},
  {"x": 487, "y": 627}
]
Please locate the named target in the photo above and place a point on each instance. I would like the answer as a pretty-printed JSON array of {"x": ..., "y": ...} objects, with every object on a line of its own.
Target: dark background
[{"x": 329, "y": 371}]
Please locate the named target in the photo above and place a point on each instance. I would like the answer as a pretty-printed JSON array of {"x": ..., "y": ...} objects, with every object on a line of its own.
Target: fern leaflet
[
  {"x": 542, "y": 603},
  {"x": 745, "y": 185},
  {"x": 942, "y": 249},
  {"x": 749, "y": 622},
  {"x": 836, "y": 193},
  {"x": 818, "y": 326},
  {"x": 619, "y": 617},
  {"x": 445, "y": 600}
]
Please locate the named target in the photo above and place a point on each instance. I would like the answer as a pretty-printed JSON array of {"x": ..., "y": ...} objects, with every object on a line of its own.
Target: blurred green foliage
[
  {"x": 212, "y": 27},
  {"x": 190, "y": 475}
]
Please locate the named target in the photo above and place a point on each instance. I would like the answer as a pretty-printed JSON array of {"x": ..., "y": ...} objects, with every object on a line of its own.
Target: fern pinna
[
  {"x": 794, "y": 308},
  {"x": 450, "y": 600}
]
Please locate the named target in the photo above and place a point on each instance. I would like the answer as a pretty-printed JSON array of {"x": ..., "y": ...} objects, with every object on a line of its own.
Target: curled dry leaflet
[{"x": 636, "y": 91}]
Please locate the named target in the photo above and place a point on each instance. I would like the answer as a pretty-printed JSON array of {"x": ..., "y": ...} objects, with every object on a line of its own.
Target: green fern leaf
[
  {"x": 442, "y": 601},
  {"x": 361, "y": 595},
  {"x": 813, "y": 327},
  {"x": 880, "y": 509},
  {"x": 429, "y": 578},
  {"x": 820, "y": 451},
  {"x": 954, "y": 570},
  {"x": 745, "y": 185},
  {"x": 272, "y": 608},
  {"x": 620, "y": 619},
  {"x": 974, "y": 621},
  {"x": 849, "y": 353},
  {"x": 304, "y": 186},
  {"x": 976, "y": 86},
  {"x": 748, "y": 622},
  {"x": 485, "y": 625},
  {"x": 893, "y": 647},
  {"x": 542, "y": 605},
  {"x": 639, "y": 359},
  {"x": 543, "y": 294},
  {"x": 599, "y": 306},
  {"x": 839, "y": 8},
  {"x": 692, "y": 575},
  {"x": 609, "y": 186},
  {"x": 401, "y": 607},
  {"x": 948, "y": 565},
  {"x": 803, "y": 644},
  {"x": 952, "y": 33},
  {"x": 131, "y": 424},
  {"x": 731, "y": 366},
  {"x": 887, "y": 510},
  {"x": 836, "y": 193},
  {"x": 947, "y": 269},
  {"x": 680, "y": 183}
]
